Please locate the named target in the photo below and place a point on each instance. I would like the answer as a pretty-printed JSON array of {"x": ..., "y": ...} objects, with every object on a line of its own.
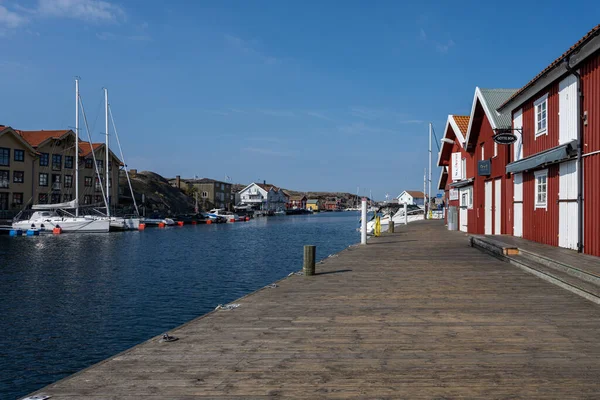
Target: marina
[
  {"x": 415, "y": 314},
  {"x": 74, "y": 300}
]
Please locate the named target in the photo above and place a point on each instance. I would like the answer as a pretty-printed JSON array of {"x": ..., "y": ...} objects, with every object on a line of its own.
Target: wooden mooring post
[
  {"x": 391, "y": 227},
  {"x": 310, "y": 252}
]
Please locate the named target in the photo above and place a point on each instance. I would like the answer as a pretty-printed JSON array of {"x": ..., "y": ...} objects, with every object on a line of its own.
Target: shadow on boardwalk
[{"x": 416, "y": 314}]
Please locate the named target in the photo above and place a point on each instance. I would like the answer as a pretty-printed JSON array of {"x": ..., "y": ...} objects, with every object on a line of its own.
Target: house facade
[
  {"x": 296, "y": 202},
  {"x": 489, "y": 159},
  {"x": 264, "y": 196},
  {"x": 17, "y": 159},
  {"x": 411, "y": 197},
  {"x": 41, "y": 169},
  {"x": 544, "y": 186},
  {"x": 556, "y": 163},
  {"x": 314, "y": 205},
  {"x": 211, "y": 193},
  {"x": 458, "y": 170}
]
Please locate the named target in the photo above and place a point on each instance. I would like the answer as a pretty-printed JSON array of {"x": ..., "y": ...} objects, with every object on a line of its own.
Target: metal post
[
  {"x": 429, "y": 190},
  {"x": 106, "y": 153},
  {"x": 309, "y": 260},
  {"x": 77, "y": 146},
  {"x": 405, "y": 214},
  {"x": 363, "y": 225}
]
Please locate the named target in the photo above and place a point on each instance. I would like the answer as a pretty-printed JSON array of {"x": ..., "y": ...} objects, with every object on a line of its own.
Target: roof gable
[
  {"x": 415, "y": 194},
  {"x": 7, "y": 130},
  {"x": 490, "y": 100},
  {"x": 38, "y": 138},
  {"x": 456, "y": 127}
]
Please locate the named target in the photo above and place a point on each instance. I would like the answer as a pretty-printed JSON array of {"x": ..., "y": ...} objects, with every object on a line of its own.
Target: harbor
[
  {"x": 70, "y": 301},
  {"x": 414, "y": 314}
]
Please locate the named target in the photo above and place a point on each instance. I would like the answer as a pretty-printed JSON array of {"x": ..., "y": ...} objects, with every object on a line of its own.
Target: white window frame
[
  {"x": 538, "y": 175},
  {"x": 463, "y": 166},
  {"x": 495, "y": 149},
  {"x": 468, "y": 191},
  {"x": 536, "y": 104},
  {"x": 482, "y": 152}
]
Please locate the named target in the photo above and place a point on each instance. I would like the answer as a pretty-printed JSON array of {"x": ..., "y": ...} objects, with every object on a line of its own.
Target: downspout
[{"x": 579, "y": 157}]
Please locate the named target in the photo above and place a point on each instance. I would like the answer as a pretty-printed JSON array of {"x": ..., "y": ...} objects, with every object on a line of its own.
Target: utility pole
[{"x": 425, "y": 191}]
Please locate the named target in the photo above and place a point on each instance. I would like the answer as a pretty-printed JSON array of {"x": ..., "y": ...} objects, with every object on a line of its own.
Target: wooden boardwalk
[{"x": 417, "y": 314}]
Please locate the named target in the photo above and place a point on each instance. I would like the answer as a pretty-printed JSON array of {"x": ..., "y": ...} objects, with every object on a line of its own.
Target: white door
[
  {"x": 497, "y": 206},
  {"x": 567, "y": 110},
  {"x": 464, "y": 227},
  {"x": 488, "y": 208},
  {"x": 567, "y": 205},
  {"x": 518, "y": 205}
]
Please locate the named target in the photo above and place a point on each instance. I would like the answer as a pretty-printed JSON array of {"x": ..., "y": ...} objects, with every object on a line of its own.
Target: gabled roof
[
  {"x": 584, "y": 47},
  {"x": 37, "y": 138},
  {"x": 312, "y": 201},
  {"x": 268, "y": 186},
  {"x": 85, "y": 149},
  {"x": 490, "y": 100},
  {"x": 459, "y": 125},
  {"x": 297, "y": 197},
  {"x": 415, "y": 194},
  {"x": 9, "y": 130}
]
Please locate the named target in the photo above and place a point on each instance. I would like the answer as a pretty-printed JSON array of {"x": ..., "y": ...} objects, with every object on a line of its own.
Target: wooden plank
[{"x": 414, "y": 314}]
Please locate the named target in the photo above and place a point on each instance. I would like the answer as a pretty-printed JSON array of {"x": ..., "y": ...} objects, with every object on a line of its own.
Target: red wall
[
  {"x": 541, "y": 225},
  {"x": 482, "y": 132},
  {"x": 531, "y": 144},
  {"x": 590, "y": 74}
]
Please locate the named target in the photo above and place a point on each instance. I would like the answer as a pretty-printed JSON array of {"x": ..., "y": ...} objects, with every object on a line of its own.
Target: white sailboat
[{"x": 46, "y": 216}]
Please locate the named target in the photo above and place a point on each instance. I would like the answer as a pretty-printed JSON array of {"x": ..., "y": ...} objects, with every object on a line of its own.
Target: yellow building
[{"x": 314, "y": 205}]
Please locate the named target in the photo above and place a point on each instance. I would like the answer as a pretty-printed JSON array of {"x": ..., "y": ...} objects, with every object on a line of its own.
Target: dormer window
[{"x": 541, "y": 115}]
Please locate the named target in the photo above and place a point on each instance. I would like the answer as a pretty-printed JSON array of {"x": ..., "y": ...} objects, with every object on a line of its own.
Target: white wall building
[
  {"x": 263, "y": 196},
  {"x": 411, "y": 197}
]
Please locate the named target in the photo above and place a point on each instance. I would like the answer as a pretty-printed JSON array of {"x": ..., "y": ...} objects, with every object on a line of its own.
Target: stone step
[
  {"x": 566, "y": 280},
  {"x": 560, "y": 266}
]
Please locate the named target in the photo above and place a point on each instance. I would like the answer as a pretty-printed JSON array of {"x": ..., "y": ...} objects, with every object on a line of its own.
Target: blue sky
[{"x": 311, "y": 95}]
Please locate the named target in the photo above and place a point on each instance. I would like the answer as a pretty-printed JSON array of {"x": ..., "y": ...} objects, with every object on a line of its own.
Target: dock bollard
[
  {"x": 391, "y": 227},
  {"x": 309, "y": 260}
]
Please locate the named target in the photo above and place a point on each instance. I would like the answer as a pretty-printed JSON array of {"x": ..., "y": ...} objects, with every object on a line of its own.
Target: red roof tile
[
  {"x": 595, "y": 30},
  {"x": 416, "y": 194},
  {"x": 85, "y": 149},
  {"x": 35, "y": 138},
  {"x": 462, "y": 121}
]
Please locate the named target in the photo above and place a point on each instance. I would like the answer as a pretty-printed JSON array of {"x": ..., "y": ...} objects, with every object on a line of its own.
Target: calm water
[{"x": 69, "y": 301}]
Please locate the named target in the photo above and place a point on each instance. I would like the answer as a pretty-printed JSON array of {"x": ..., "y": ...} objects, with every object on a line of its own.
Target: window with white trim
[
  {"x": 541, "y": 189},
  {"x": 466, "y": 197},
  {"x": 495, "y": 149},
  {"x": 463, "y": 168},
  {"x": 541, "y": 115},
  {"x": 482, "y": 152}
]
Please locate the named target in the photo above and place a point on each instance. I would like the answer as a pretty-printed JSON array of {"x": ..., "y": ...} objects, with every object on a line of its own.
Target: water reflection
[{"x": 69, "y": 301}]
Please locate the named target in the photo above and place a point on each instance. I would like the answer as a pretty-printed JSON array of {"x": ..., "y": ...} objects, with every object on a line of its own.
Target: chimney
[
  {"x": 178, "y": 181},
  {"x": 264, "y": 182}
]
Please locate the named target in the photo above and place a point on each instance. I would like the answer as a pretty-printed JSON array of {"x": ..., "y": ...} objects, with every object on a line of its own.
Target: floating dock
[{"x": 414, "y": 314}]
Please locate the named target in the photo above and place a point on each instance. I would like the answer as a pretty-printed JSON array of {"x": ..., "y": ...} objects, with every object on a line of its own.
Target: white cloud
[
  {"x": 360, "y": 128},
  {"x": 86, "y": 10},
  {"x": 422, "y": 34},
  {"x": 277, "y": 113},
  {"x": 10, "y": 19},
  {"x": 319, "y": 116},
  {"x": 444, "y": 48}
]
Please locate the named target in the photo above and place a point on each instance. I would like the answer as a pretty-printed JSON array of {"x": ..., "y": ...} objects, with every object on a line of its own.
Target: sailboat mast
[
  {"x": 76, "y": 146},
  {"x": 106, "y": 153}
]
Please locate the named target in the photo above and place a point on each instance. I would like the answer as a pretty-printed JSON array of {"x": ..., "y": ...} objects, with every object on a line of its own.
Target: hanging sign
[
  {"x": 453, "y": 195},
  {"x": 456, "y": 167},
  {"x": 505, "y": 138},
  {"x": 484, "y": 168}
]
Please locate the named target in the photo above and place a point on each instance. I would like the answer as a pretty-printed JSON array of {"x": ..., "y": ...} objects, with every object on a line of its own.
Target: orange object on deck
[
  {"x": 161, "y": 224},
  {"x": 232, "y": 220},
  {"x": 247, "y": 218},
  {"x": 141, "y": 227},
  {"x": 180, "y": 223},
  {"x": 57, "y": 230},
  {"x": 208, "y": 221}
]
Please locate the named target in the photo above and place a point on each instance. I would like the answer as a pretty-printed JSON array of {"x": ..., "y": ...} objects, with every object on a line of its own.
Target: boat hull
[{"x": 67, "y": 225}]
